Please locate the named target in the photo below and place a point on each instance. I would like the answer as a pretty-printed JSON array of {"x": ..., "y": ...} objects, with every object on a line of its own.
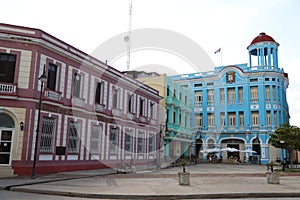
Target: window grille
[
  {"x": 73, "y": 142},
  {"x": 47, "y": 135}
]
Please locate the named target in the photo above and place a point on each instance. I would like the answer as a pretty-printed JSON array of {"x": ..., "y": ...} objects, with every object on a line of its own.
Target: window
[
  {"x": 269, "y": 122},
  {"x": 115, "y": 103},
  {"x": 255, "y": 118},
  {"x": 52, "y": 72},
  {"x": 130, "y": 102},
  {"x": 99, "y": 93},
  {"x": 77, "y": 82},
  {"x": 113, "y": 140},
  {"x": 198, "y": 85},
  {"x": 241, "y": 118},
  {"x": 142, "y": 107},
  {"x": 128, "y": 141},
  {"x": 198, "y": 120},
  {"x": 152, "y": 143},
  {"x": 210, "y": 119},
  {"x": 174, "y": 117},
  {"x": 152, "y": 110},
  {"x": 254, "y": 80},
  {"x": 222, "y": 96},
  {"x": 7, "y": 67},
  {"x": 231, "y": 119},
  {"x": 210, "y": 96},
  {"x": 141, "y": 143},
  {"x": 186, "y": 120},
  {"x": 240, "y": 95},
  {"x": 73, "y": 140},
  {"x": 275, "y": 118},
  {"x": 253, "y": 94},
  {"x": 168, "y": 90},
  {"x": 222, "y": 116},
  {"x": 274, "y": 93},
  {"x": 95, "y": 139},
  {"x": 231, "y": 95},
  {"x": 47, "y": 135},
  {"x": 198, "y": 98}
]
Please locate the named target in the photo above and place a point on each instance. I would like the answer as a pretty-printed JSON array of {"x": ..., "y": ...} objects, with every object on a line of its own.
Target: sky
[{"x": 212, "y": 24}]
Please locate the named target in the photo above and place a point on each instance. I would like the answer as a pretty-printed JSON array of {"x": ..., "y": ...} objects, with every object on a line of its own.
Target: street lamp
[
  {"x": 42, "y": 78},
  {"x": 282, "y": 142}
]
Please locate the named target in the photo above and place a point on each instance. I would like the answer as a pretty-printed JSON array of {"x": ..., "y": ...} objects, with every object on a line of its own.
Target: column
[
  {"x": 269, "y": 58},
  {"x": 250, "y": 60}
]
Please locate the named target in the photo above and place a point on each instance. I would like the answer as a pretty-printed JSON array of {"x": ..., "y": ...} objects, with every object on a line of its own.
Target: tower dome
[
  {"x": 262, "y": 37},
  {"x": 265, "y": 48}
]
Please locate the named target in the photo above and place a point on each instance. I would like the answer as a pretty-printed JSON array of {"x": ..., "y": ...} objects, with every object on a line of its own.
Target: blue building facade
[
  {"x": 239, "y": 106},
  {"x": 178, "y": 134}
]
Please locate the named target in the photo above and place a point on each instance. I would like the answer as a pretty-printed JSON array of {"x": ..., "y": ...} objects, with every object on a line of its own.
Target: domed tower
[{"x": 265, "y": 48}]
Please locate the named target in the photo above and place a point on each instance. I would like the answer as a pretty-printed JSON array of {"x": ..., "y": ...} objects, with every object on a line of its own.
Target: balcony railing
[
  {"x": 99, "y": 107},
  {"x": 116, "y": 112},
  {"x": 53, "y": 95},
  {"x": 8, "y": 88},
  {"x": 78, "y": 102}
]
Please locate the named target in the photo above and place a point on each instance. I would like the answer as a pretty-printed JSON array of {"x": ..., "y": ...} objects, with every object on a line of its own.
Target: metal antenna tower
[{"x": 128, "y": 37}]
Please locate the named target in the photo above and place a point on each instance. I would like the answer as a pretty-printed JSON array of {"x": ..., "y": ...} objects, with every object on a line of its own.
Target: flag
[{"x": 218, "y": 51}]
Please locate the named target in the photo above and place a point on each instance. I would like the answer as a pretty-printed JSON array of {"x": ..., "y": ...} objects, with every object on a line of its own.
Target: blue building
[
  {"x": 178, "y": 134},
  {"x": 239, "y": 106}
]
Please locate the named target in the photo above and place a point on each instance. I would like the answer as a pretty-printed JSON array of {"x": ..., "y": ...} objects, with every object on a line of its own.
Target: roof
[{"x": 262, "y": 37}]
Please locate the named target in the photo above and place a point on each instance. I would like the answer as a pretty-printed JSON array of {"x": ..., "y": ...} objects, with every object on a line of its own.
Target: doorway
[{"x": 5, "y": 146}]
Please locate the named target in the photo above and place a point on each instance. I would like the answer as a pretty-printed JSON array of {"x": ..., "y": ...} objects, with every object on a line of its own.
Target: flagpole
[{"x": 221, "y": 57}]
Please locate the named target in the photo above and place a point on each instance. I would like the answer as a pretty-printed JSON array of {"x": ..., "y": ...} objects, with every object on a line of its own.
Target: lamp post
[
  {"x": 282, "y": 142},
  {"x": 42, "y": 78},
  {"x": 161, "y": 135}
]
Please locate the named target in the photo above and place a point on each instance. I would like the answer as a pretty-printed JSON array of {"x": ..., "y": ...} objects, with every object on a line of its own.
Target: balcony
[
  {"x": 8, "y": 89},
  {"x": 78, "y": 102},
  {"x": 153, "y": 122},
  {"x": 52, "y": 95},
  {"x": 100, "y": 107},
  {"x": 173, "y": 101},
  {"x": 143, "y": 119},
  {"x": 130, "y": 116},
  {"x": 116, "y": 112}
]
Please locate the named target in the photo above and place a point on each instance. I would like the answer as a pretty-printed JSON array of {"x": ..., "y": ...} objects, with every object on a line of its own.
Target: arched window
[{"x": 6, "y": 121}]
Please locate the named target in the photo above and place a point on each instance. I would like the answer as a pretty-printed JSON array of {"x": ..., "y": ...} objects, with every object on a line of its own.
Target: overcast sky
[{"x": 212, "y": 24}]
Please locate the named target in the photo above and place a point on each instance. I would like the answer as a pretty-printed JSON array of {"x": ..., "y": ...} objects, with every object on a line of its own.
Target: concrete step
[{"x": 6, "y": 171}]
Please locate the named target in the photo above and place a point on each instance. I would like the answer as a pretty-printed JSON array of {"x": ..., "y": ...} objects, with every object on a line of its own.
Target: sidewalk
[{"x": 207, "y": 181}]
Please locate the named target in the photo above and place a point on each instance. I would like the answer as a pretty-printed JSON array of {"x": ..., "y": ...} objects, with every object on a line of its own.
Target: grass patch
[{"x": 289, "y": 170}]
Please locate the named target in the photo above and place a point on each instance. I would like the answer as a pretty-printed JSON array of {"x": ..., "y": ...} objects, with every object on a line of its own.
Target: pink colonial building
[{"x": 91, "y": 116}]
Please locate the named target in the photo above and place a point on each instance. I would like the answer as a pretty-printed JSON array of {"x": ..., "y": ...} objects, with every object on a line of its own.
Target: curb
[{"x": 163, "y": 197}]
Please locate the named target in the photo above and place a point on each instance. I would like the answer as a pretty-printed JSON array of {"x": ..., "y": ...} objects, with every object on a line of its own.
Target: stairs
[{"x": 6, "y": 171}]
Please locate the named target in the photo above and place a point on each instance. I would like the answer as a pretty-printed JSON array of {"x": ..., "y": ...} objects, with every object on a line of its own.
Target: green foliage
[
  {"x": 183, "y": 162},
  {"x": 286, "y": 137}
]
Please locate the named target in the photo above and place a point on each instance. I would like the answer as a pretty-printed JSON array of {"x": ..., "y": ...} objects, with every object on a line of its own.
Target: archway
[
  {"x": 256, "y": 147},
  {"x": 199, "y": 144},
  {"x": 6, "y": 138},
  {"x": 232, "y": 143}
]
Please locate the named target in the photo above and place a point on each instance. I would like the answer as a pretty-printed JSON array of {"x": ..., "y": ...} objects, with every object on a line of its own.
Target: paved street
[{"x": 207, "y": 181}]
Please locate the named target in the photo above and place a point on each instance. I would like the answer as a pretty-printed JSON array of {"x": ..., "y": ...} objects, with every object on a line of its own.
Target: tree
[{"x": 286, "y": 137}]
